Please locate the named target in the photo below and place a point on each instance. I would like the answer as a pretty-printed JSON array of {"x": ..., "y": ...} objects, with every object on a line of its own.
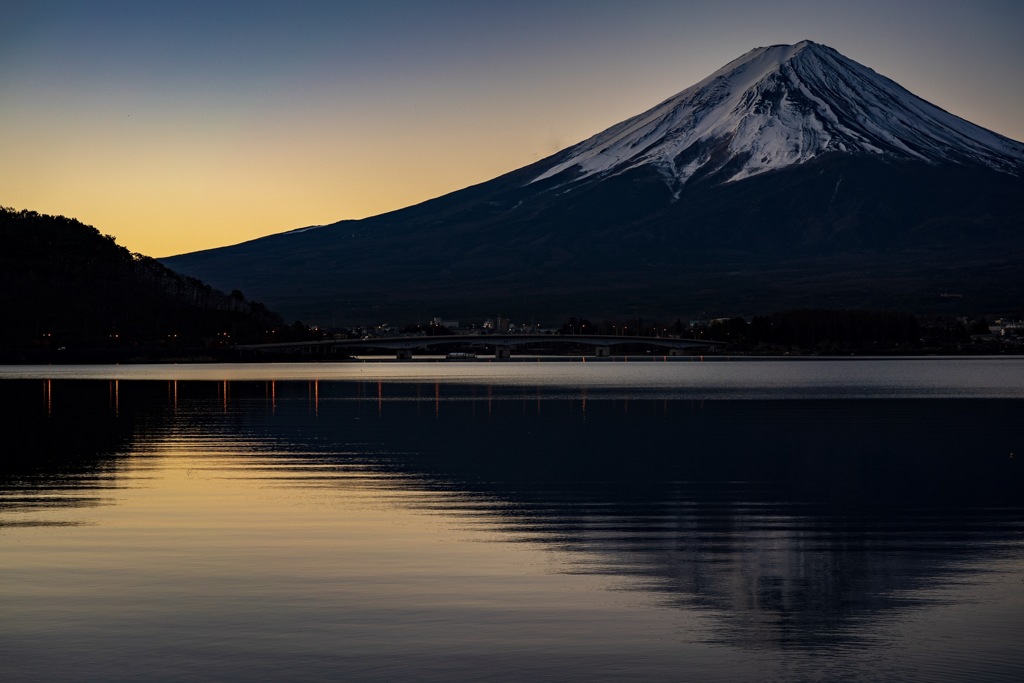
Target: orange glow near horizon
[{"x": 160, "y": 204}]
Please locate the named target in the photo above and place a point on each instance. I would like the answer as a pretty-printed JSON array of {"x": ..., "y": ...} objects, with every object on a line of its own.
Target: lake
[{"x": 634, "y": 519}]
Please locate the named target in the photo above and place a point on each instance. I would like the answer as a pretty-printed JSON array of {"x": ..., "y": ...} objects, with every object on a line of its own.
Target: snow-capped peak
[{"x": 778, "y": 106}]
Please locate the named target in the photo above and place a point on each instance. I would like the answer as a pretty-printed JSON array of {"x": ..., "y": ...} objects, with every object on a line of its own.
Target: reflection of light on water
[
  {"x": 48, "y": 396},
  {"x": 222, "y": 390},
  {"x": 115, "y": 396}
]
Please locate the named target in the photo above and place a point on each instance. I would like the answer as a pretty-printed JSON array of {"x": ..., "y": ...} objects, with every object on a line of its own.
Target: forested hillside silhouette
[{"x": 67, "y": 287}]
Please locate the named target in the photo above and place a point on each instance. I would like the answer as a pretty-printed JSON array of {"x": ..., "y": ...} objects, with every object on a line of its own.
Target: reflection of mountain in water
[
  {"x": 792, "y": 522},
  {"x": 63, "y": 446}
]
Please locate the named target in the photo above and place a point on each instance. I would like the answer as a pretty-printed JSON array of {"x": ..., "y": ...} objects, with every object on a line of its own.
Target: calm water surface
[{"x": 674, "y": 520}]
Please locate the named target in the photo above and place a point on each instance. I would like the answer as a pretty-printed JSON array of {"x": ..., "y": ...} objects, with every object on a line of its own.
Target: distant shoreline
[{"x": 234, "y": 357}]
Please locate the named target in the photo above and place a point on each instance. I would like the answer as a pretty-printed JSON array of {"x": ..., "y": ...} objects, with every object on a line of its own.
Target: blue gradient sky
[{"x": 177, "y": 126}]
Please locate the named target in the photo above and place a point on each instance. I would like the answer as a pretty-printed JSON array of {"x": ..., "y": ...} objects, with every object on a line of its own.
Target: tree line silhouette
[
  {"x": 807, "y": 331},
  {"x": 67, "y": 287}
]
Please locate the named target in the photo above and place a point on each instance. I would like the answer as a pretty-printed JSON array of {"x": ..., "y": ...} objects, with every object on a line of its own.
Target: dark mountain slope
[
  {"x": 837, "y": 232},
  {"x": 66, "y": 285}
]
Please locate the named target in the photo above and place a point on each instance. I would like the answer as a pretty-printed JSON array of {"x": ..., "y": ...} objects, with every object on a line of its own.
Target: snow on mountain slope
[{"x": 783, "y": 105}]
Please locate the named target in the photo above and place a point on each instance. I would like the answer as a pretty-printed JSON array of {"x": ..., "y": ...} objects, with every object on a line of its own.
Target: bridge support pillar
[
  {"x": 602, "y": 351},
  {"x": 502, "y": 351},
  {"x": 403, "y": 354}
]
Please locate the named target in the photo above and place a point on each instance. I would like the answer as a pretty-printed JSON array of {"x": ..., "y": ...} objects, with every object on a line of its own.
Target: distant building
[{"x": 449, "y": 324}]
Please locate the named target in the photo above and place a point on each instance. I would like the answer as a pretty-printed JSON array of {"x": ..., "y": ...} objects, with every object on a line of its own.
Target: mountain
[
  {"x": 73, "y": 289},
  {"x": 791, "y": 177}
]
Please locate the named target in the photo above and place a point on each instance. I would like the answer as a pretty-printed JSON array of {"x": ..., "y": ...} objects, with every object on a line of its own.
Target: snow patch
[{"x": 783, "y": 105}]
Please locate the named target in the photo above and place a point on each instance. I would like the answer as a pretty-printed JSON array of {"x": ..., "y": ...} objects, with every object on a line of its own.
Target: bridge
[{"x": 502, "y": 344}]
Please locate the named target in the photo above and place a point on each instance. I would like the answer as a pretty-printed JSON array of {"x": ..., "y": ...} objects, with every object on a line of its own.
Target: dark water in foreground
[{"x": 456, "y": 523}]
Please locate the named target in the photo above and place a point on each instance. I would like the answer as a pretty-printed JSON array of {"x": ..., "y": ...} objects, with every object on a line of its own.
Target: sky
[{"x": 180, "y": 126}]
